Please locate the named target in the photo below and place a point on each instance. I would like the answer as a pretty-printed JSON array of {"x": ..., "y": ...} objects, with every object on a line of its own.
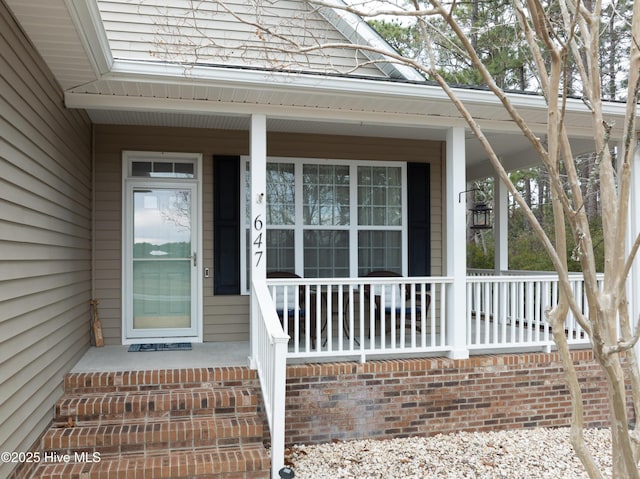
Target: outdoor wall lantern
[{"x": 480, "y": 212}]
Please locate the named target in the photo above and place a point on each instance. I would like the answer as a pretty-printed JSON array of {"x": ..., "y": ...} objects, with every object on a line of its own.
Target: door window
[{"x": 162, "y": 258}]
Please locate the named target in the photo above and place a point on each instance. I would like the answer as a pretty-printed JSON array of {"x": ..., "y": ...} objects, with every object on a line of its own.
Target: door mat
[{"x": 138, "y": 348}]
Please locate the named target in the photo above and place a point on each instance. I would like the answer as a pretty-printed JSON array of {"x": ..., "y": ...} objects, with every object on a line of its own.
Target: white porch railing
[
  {"x": 362, "y": 317},
  {"x": 508, "y": 312},
  {"x": 270, "y": 357}
]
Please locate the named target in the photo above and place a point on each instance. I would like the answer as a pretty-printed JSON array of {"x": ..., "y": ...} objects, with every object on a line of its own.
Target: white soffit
[
  {"x": 513, "y": 150},
  {"x": 53, "y": 27}
]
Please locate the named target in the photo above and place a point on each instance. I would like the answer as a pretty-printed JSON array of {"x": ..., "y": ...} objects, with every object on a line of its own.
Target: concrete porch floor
[{"x": 203, "y": 355}]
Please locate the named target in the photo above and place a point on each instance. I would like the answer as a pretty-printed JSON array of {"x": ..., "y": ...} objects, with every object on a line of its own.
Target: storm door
[{"x": 161, "y": 284}]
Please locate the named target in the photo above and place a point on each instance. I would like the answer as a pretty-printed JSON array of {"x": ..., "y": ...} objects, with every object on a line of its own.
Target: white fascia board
[
  {"x": 88, "y": 22},
  {"x": 356, "y": 30},
  {"x": 174, "y": 74},
  {"x": 90, "y": 101}
]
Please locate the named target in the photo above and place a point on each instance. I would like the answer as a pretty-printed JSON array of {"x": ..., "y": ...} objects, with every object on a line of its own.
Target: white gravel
[{"x": 521, "y": 453}]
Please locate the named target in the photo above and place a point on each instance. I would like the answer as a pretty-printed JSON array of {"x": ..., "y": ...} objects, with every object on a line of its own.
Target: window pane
[
  {"x": 326, "y": 254},
  {"x": 140, "y": 168},
  {"x": 280, "y": 250},
  {"x": 280, "y": 194},
  {"x": 162, "y": 224},
  {"x": 379, "y": 250},
  {"x": 162, "y": 169},
  {"x": 325, "y": 195},
  {"x": 379, "y": 196},
  {"x": 161, "y": 294},
  {"x": 184, "y": 170}
]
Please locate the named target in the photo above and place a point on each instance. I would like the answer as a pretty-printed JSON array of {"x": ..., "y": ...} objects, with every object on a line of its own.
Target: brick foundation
[
  {"x": 396, "y": 398},
  {"x": 385, "y": 399}
]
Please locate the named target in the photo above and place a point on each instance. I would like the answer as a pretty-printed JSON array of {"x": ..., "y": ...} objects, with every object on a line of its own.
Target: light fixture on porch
[{"x": 480, "y": 212}]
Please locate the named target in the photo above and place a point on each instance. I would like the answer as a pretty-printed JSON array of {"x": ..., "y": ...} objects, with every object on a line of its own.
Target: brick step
[
  {"x": 195, "y": 423},
  {"x": 153, "y": 435},
  {"x": 78, "y": 409},
  {"x": 122, "y": 381},
  {"x": 245, "y": 462}
]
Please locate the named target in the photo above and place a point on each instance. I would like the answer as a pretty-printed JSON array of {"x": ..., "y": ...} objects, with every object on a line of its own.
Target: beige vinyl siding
[
  {"x": 225, "y": 317},
  {"x": 45, "y": 240},
  {"x": 209, "y": 34}
]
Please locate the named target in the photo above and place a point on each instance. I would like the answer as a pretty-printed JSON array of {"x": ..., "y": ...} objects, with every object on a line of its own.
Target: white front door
[{"x": 161, "y": 287}]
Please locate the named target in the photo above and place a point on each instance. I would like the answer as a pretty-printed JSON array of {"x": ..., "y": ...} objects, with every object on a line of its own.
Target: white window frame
[
  {"x": 128, "y": 184},
  {"x": 299, "y": 227}
]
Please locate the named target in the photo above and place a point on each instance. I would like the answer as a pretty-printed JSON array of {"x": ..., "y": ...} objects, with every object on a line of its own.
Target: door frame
[{"x": 129, "y": 183}]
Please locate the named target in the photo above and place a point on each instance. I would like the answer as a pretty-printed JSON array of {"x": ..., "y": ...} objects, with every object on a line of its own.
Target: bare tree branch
[{"x": 556, "y": 34}]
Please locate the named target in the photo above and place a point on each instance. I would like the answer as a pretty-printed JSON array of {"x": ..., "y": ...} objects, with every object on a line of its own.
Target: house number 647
[{"x": 257, "y": 226}]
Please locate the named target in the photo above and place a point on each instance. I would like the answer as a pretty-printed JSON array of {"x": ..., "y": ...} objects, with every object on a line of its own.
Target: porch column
[
  {"x": 500, "y": 225},
  {"x": 633, "y": 229},
  {"x": 456, "y": 245},
  {"x": 258, "y": 202}
]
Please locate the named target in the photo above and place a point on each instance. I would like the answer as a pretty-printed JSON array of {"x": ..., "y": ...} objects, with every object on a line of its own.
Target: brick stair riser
[
  {"x": 154, "y": 436},
  {"x": 167, "y": 424},
  {"x": 165, "y": 404},
  {"x": 128, "y": 381},
  {"x": 250, "y": 463}
]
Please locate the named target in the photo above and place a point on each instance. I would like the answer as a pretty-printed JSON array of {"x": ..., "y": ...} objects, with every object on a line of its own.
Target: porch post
[
  {"x": 456, "y": 245},
  {"x": 500, "y": 225},
  {"x": 258, "y": 202},
  {"x": 633, "y": 229}
]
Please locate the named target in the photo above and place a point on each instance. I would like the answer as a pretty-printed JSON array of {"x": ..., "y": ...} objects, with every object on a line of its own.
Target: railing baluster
[
  {"x": 582, "y": 301},
  {"x": 546, "y": 301},
  {"x": 362, "y": 328},
  {"x": 542, "y": 324},
  {"x": 340, "y": 324},
  {"x": 493, "y": 320},
  {"x": 423, "y": 315},
  {"x": 318, "y": 318},
  {"x": 513, "y": 303},
  {"x": 469, "y": 292},
  {"x": 403, "y": 316},
  {"x": 517, "y": 298},
  {"x": 504, "y": 300},
  {"x": 296, "y": 318},
  {"x": 529, "y": 310},
  {"x": 443, "y": 315},
  {"x": 487, "y": 303},
  {"x": 329, "y": 319},
  {"x": 307, "y": 318},
  {"x": 383, "y": 315},
  {"x": 478, "y": 310},
  {"x": 351, "y": 319}
]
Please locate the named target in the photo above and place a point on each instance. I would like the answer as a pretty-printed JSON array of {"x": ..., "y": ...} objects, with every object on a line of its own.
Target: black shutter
[
  {"x": 419, "y": 216},
  {"x": 226, "y": 225}
]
